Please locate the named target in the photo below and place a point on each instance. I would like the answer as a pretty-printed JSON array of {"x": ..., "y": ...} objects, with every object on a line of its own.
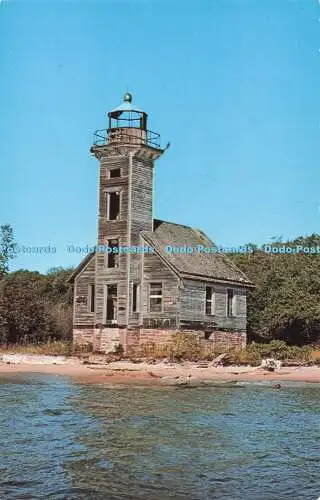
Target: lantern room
[{"x": 127, "y": 125}]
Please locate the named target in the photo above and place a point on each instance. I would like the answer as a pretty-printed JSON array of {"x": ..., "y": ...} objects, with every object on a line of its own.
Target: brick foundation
[{"x": 106, "y": 339}]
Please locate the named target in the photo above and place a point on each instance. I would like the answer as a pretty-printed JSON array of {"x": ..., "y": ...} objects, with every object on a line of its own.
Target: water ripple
[{"x": 64, "y": 441}]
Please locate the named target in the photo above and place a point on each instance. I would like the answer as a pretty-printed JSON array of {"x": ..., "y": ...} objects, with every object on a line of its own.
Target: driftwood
[
  {"x": 271, "y": 364},
  {"x": 218, "y": 360}
]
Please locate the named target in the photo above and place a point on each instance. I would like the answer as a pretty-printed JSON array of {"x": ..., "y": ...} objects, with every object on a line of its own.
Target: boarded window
[
  {"x": 155, "y": 297},
  {"x": 230, "y": 302},
  {"x": 113, "y": 253},
  {"x": 113, "y": 205},
  {"x": 111, "y": 303},
  {"x": 91, "y": 298},
  {"x": 210, "y": 300},
  {"x": 114, "y": 172},
  {"x": 135, "y": 297}
]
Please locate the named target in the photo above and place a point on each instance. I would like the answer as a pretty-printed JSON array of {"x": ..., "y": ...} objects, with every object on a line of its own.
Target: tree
[
  {"x": 23, "y": 314},
  {"x": 286, "y": 301},
  {"x": 57, "y": 287},
  {"x": 7, "y": 247},
  {"x": 34, "y": 307}
]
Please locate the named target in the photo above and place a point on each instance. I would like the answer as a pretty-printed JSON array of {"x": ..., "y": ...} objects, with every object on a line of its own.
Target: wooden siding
[
  {"x": 141, "y": 197},
  {"x": 192, "y": 305},
  {"x": 113, "y": 228},
  {"x": 155, "y": 270},
  {"x": 81, "y": 315},
  {"x": 136, "y": 187}
]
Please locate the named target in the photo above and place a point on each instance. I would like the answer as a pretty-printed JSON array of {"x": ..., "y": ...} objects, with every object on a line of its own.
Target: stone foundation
[
  {"x": 106, "y": 340},
  {"x": 229, "y": 339},
  {"x": 83, "y": 337}
]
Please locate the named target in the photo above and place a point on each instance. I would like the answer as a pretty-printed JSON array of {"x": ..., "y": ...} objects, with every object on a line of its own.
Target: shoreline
[{"x": 126, "y": 372}]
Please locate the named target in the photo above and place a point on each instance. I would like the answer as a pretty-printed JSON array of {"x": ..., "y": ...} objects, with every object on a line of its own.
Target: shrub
[
  {"x": 185, "y": 346},
  {"x": 244, "y": 356}
]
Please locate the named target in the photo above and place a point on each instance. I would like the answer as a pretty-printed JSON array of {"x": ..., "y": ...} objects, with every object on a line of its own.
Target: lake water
[{"x": 61, "y": 440}]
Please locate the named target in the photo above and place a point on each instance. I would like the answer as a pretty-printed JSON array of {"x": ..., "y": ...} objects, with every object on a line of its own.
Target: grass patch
[{"x": 51, "y": 348}]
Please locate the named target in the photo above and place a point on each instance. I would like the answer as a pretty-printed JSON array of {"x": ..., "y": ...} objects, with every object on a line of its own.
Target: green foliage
[
  {"x": 56, "y": 287},
  {"x": 279, "y": 350},
  {"x": 35, "y": 307},
  {"x": 285, "y": 304}
]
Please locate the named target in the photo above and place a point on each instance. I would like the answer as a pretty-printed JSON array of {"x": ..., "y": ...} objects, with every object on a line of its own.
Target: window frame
[
  {"x": 115, "y": 254},
  {"x": 211, "y": 301},
  {"x": 153, "y": 296},
  {"x": 110, "y": 169},
  {"x": 232, "y": 313},
  {"x": 136, "y": 287},
  {"x": 105, "y": 305},
  {"x": 91, "y": 304},
  {"x": 107, "y": 195}
]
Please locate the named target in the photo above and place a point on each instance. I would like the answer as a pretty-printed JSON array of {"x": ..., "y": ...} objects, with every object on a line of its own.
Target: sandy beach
[{"x": 159, "y": 373}]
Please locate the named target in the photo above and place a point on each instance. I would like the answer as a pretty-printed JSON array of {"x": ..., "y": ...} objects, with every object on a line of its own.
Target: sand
[{"x": 160, "y": 373}]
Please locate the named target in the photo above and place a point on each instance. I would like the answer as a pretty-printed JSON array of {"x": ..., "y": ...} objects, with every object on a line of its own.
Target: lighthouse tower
[{"x": 126, "y": 152}]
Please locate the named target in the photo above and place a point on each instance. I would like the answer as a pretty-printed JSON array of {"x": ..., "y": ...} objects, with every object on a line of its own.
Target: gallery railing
[{"x": 128, "y": 135}]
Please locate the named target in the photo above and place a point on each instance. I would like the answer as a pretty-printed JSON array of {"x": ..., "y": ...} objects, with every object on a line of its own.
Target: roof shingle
[{"x": 198, "y": 263}]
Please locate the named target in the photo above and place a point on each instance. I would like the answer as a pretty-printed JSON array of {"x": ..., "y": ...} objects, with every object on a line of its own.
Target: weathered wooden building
[{"x": 148, "y": 278}]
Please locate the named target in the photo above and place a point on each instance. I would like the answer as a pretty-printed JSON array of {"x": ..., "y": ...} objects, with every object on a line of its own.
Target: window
[
  {"x": 230, "y": 302},
  {"x": 114, "y": 172},
  {"x": 91, "y": 298},
  {"x": 155, "y": 297},
  {"x": 135, "y": 297},
  {"x": 113, "y": 253},
  {"x": 111, "y": 303},
  {"x": 209, "y": 300},
  {"x": 112, "y": 209}
]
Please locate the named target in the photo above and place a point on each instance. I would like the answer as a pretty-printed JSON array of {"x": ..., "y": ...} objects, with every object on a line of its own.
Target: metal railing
[{"x": 131, "y": 136}]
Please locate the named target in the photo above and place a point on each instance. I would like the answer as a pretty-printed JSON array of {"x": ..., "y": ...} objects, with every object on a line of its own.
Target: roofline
[
  {"x": 80, "y": 266},
  {"x": 225, "y": 281},
  {"x": 160, "y": 254},
  {"x": 173, "y": 223}
]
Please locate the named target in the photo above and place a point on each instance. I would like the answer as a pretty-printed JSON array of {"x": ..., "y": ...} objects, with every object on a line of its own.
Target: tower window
[
  {"x": 155, "y": 297},
  {"x": 91, "y": 298},
  {"x": 113, "y": 205},
  {"x": 135, "y": 297},
  {"x": 114, "y": 172},
  {"x": 113, "y": 253},
  {"x": 230, "y": 303},
  {"x": 210, "y": 302}
]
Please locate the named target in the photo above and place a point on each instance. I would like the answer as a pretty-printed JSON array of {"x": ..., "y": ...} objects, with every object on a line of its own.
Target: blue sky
[{"x": 232, "y": 84}]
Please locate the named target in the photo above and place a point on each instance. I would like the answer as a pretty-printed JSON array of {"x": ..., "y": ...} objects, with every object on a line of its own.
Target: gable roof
[{"x": 196, "y": 265}]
